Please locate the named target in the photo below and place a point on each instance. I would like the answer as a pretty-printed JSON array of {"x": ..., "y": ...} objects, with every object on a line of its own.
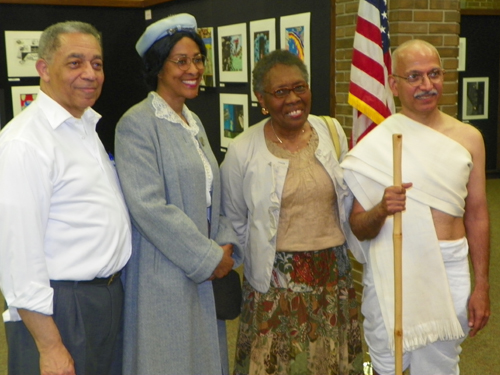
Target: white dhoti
[
  {"x": 437, "y": 358},
  {"x": 439, "y": 169}
]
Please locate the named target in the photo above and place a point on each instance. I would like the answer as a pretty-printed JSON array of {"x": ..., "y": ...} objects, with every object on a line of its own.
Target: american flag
[{"x": 369, "y": 92}]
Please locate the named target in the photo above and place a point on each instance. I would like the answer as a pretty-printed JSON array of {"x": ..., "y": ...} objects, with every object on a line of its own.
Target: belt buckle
[{"x": 112, "y": 278}]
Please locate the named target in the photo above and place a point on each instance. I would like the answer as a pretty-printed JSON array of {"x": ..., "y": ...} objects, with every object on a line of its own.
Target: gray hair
[
  {"x": 269, "y": 61},
  {"x": 50, "y": 42},
  {"x": 400, "y": 51}
]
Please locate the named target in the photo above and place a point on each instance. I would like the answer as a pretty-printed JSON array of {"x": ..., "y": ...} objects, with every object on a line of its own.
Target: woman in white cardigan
[{"x": 283, "y": 190}]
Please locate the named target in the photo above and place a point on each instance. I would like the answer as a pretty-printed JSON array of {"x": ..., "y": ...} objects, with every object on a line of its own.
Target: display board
[{"x": 124, "y": 86}]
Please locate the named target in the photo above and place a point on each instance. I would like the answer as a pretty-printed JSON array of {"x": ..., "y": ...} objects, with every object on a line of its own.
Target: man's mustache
[{"x": 418, "y": 95}]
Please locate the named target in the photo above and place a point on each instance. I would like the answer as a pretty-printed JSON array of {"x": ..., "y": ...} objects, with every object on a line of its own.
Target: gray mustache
[{"x": 424, "y": 93}]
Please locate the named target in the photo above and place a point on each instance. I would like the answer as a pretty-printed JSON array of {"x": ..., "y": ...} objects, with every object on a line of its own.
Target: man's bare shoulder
[{"x": 465, "y": 134}]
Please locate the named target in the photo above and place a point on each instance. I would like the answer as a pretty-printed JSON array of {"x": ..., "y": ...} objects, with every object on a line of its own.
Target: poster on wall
[
  {"x": 233, "y": 117},
  {"x": 262, "y": 41},
  {"x": 207, "y": 34},
  {"x": 295, "y": 36},
  {"x": 475, "y": 98},
  {"x": 21, "y": 49},
  {"x": 232, "y": 53},
  {"x": 22, "y": 97}
]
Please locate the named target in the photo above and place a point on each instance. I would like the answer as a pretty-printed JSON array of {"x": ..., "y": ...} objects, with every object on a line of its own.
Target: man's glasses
[
  {"x": 416, "y": 79},
  {"x": 183, "y": 63},
  {"x": 285, "y": 91}
]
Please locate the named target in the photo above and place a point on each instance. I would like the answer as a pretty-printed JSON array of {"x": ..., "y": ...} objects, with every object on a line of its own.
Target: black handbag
[{"x": 227, "y": 293}]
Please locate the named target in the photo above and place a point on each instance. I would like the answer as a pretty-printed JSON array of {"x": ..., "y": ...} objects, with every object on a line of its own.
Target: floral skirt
[{"x": 307, "y": 323}]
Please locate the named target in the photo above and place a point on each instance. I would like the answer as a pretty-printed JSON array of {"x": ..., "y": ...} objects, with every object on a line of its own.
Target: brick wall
[{"x": 436, "y": 21}]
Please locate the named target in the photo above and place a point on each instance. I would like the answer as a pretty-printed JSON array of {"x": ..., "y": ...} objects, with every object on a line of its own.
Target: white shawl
[{"x": 439, "y": 169}]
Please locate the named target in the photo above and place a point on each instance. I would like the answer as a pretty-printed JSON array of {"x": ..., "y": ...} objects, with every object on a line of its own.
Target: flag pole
[{"x": 397, "y": 143}]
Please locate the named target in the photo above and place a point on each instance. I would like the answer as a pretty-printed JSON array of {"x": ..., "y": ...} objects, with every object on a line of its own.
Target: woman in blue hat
[{"x": 170, "y": 180}]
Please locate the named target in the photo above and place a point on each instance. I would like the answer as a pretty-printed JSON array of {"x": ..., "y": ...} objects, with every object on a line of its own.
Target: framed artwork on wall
[
  {"x": 207, "y": 34},
  {"x": 232, "y": 53},
  {"x": 262, "y": 41},
  {"x": 295, "y": 36},
  {"x": 21, "y": 49},
  {"x": 233, "y": 117},
  {"x": 475, "y": 98},
  {"x": 23, "y": 96}
]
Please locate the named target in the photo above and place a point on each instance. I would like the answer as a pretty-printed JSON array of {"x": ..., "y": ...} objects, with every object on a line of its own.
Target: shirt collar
[
  {"x": 57, "y": 115},
  {"x": 164, "y": 111}
]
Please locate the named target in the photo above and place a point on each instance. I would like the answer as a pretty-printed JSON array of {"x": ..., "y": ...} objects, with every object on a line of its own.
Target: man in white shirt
[{"x": 64, "y": 226}]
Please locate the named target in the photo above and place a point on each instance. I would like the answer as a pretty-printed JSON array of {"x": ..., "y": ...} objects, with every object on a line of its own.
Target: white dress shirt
[{"x": 62, "y": 213}]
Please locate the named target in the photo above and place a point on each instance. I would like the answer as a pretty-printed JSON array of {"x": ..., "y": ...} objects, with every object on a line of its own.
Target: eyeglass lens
[
  {"x": 185, "y": 62},
  {"x": 285, "y": 91},
  {"x": 416, "y": 79}
]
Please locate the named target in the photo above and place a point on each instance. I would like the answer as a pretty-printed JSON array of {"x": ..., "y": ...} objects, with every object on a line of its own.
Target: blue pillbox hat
[{"x": 166, "y": 26}]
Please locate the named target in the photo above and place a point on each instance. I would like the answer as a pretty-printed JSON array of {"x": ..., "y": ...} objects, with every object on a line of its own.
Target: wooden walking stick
[{"x": 397, "y": 235}]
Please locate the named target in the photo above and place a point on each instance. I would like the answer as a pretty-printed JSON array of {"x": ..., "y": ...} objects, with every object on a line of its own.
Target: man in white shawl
[{"x": 445, "y": 218}]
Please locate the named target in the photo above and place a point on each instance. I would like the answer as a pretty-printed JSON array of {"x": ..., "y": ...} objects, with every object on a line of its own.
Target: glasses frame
[
  {"x": 190, "y": 61},
  {"x": 419, "y": 82},
  {"x": 288, "y": 90}
]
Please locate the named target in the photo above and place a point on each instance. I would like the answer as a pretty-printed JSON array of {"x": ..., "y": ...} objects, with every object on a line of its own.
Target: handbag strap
[{"x": 333, "y": 133}]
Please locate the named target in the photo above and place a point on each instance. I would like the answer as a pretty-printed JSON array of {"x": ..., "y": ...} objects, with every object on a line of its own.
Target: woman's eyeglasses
[
  {"x": 183, "y": 63},
  {"x": 416, "y": 79},
  {"x": 283, "y": 92}
]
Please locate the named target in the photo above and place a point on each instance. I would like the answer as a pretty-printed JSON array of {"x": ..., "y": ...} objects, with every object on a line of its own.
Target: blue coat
[{"x": 170, "y": 322}]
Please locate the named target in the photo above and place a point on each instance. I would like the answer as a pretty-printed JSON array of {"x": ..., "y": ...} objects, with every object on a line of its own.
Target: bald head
[{"x": 410, "y": 47}]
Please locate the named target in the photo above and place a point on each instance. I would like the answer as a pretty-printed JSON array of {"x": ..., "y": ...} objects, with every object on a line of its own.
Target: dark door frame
[{"x": 489, "y": 12}]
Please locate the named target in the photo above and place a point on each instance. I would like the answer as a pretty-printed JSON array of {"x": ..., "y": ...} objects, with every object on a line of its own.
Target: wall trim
[
  {"x": 480, "y": 12},
  {"x": 91, "y": 3}
]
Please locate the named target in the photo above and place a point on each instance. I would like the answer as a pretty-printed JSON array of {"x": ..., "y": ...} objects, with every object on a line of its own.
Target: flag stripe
[
  {"x": 369, "y": 30},
  {"x": 367, "y": 64},
  {"x": 367, "y": 130},
  {"x": 369, "y": 105},
  {"x": 362, "y": 84},
  {"x": 388, "y": 63}
]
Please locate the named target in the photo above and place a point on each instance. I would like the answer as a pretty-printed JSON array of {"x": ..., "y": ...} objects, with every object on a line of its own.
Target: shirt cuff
[{"x": 36, "y": 297}]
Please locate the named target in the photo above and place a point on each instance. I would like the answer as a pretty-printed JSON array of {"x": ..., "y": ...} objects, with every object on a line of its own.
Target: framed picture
[
  {"x": 295, "y": 36},
  {"x": 207, "y": 34},
  {"x": 232, "y": 53},
  {"x": 21, "y": 48},
  {"x": 233, "y": 117},
  {"x": 475, "y": 96},
  {"x": 23, "y": 96},
  {"x": 262, "y": 41}
]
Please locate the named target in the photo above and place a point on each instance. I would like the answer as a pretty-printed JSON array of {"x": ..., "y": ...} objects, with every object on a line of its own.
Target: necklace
[
  {"x": 274, "y": 131},
  {"x": 276, "y": 135}
]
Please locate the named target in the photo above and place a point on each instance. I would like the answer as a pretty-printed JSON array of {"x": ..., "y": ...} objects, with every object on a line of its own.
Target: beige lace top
[{"x": 308, "y": 216}]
